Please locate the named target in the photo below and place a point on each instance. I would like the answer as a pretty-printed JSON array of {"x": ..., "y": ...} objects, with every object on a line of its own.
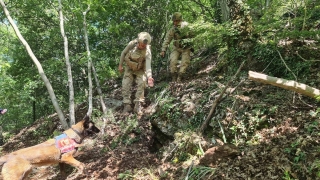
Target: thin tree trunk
[
  {"x": 89, "y": 61},
  {"x": 225, "y": 10},
  {"x": 34, "y": 103},
  {"x": 91, "y": 67},
  {"x": 39, "y": 66},
  {"x": 103, "y": 105},
  {"x": 267, "y": 4},
  {"x": 66, "y": 54}
]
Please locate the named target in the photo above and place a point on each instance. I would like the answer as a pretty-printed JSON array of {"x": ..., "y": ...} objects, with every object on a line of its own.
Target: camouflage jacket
[
  {"x": 132, "y": 44},
  {"x": 181, "y": 36}
]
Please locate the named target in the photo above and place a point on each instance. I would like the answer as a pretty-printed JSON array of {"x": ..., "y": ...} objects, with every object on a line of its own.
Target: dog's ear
[
  {"x": 86, "y": 121},
  {"x": 86, "y": 118}
]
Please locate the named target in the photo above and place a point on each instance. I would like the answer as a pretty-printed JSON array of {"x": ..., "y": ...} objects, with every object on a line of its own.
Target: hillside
[{"x": 275, "y": 133}]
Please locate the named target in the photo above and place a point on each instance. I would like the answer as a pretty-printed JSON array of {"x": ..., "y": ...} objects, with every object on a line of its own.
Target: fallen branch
[
  {"x": 222, "y": 131},
  {"x": 286, "y": 65},
  {"x": 190, "y": 167},
  {"x": 306, "y": 59},
  {"x": 216, "y": 102},
  {"x": 285, "y": 84},
  {"x": 169, "y": 155}
]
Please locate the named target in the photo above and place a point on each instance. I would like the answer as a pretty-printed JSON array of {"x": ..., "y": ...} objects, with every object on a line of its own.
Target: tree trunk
[
  {"x": 40, "y": 70},
  {"x": 66, "y": 54},
  {"x": 91, "y": 67},
  {"x": 285, "y": 84},
  {"x": 224, "y": 10},
  {"x": 267, "y": 2},
  {"x": 89, "y": 61},
  {"x": 103, "y": 105}
]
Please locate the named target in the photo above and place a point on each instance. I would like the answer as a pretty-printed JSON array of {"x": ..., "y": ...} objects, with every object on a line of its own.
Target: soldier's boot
[
  {"x": 138, "y": 108},
  {"x": 127, "y": 108},
  {"x": 174, "y": 77},
  {"x": 180, "y": 77}
]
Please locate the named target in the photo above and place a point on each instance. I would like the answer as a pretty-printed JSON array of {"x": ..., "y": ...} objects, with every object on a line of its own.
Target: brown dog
[{"x": 18, "y": 164}]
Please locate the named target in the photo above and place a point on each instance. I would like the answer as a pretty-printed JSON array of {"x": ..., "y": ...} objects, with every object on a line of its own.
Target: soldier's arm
[
  {"x": 148, "y": 62},
  {"x": 168, "y": 39},
  {"x": 148, "y": 67},
  {"x": 126, "y": 50}
]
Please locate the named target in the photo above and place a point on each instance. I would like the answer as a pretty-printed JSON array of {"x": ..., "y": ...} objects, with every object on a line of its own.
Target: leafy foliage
[
  {"x": 201, "y": 172},
  {"x": 269, "y": 34}
]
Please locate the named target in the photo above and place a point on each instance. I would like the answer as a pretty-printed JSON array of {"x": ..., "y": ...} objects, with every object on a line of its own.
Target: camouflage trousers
[
  {"x": 127, "y": 82},
  {"x": 174, "y": 59}
]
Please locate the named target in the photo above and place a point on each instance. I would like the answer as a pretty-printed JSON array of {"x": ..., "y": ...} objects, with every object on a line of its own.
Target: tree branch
[
  {"x": 285, "y": 84},
  {"x": 216, "y": 102}
]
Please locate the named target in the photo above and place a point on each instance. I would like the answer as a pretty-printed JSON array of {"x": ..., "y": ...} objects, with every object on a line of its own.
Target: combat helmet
[
  {"x": 144, "y": 37},
  {"x": 177, "y": 16}
]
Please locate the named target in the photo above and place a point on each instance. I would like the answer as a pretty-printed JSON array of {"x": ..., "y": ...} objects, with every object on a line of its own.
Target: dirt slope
[{"x": 284, "y": 146}]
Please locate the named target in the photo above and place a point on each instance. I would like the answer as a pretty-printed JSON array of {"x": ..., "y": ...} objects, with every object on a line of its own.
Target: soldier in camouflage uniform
[
  {"x": 181, "y": 36},
  {"x": 137, "y": 59}
]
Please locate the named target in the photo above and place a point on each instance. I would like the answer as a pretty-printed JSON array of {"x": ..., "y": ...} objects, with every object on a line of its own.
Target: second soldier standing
[{"x": 181, "y": 36}]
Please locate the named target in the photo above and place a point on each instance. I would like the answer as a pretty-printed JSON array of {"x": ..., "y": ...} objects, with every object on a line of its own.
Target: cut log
[{"x": 285, "y": 84}]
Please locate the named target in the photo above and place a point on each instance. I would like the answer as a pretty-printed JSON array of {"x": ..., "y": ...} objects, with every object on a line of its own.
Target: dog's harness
[{"x": 66, "y": 144}]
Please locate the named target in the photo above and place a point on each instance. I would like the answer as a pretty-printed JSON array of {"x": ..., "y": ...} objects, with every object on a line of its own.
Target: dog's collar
[{"x": 79, "y": 134}]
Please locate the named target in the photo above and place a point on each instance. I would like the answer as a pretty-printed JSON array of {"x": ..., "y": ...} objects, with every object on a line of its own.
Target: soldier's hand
[
  {"x": 150, "y": 82},
  {"x": 120, "y": 68},
  {"x": 3, "y": 111},
  {"x": 162, "y": 53}
]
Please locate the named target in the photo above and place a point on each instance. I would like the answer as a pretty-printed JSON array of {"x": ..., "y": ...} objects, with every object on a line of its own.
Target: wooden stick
[
  {"x": 285, "y": 84},
  {"x": 216, "y": 102}
]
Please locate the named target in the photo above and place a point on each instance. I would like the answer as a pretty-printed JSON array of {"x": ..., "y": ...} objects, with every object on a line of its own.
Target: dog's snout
[
  {"x": 92, "y": 129},
  {"x": 95, "y": 129}
]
